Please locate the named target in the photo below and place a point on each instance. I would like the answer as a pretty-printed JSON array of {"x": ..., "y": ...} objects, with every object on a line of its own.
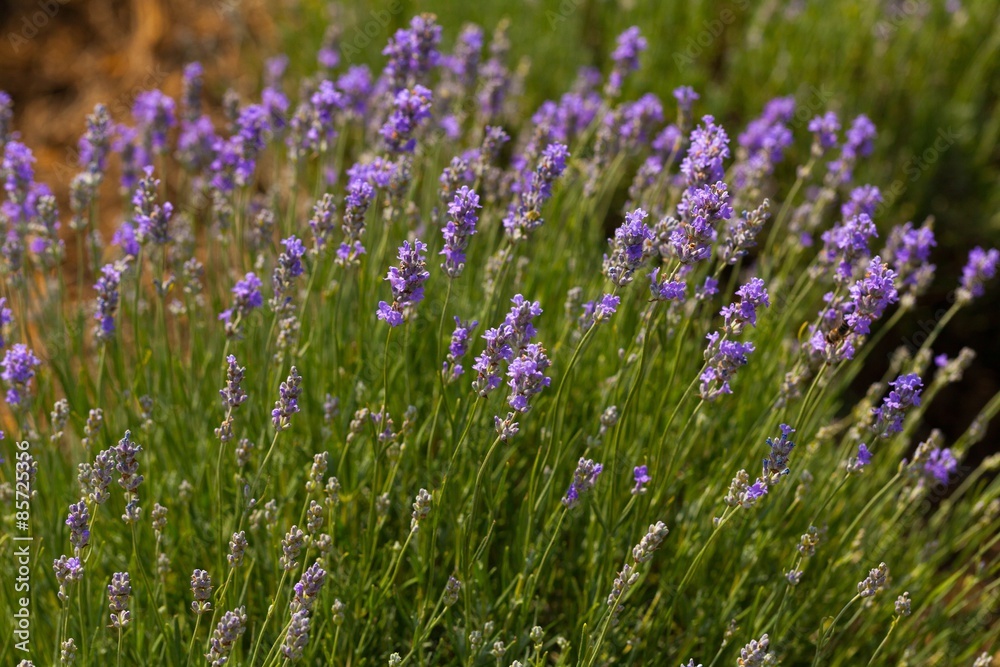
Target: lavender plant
[{"x": 361, "y": 497}]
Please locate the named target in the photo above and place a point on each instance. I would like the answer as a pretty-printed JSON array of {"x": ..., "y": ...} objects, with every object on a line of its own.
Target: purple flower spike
[
  {"x": 642, "y": 478},
  {"x": 908, "y": 251},
  {"x": 670, "y": 290},
  {"x": 413, "y": 52},
  {"x": 525, "y": 214},
  {"x": 871, "y": 295},
  {"x": 700, "y": 208},
  {"x": 411, "y": 108},
  {"x": 458, "y": 348},
  {"x": 904, "y": 395},
  {"x": 527, "y": 376},
  {"x": 406, "y": 282},
  {"x": 709, "y": 147},
  {"x": 737, "y": 315},
  {"x": 154, "y": 114},
  {"x": 288, "y": 400},
  {"x": 941, "y": 465},
  {"x": 629, "y": 248},
  {"x": 626, "y": 59},
  {"x": 461, "y": 225},
  {"x": 724, "y": 358},
  {"x": 584, "y": 479},
  {"x": 19, "y": 364},
  {"x": 982, "y": 266},
  {"x": 246, "y": 297},
  {"x": 107, "y": 301},
  {"x": 686, "y": 97},
  {"x": 825, "y": 129}
]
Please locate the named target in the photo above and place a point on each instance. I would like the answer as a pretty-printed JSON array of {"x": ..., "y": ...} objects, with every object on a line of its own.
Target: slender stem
[
  {"x": 892, "y": 627},
  {"x": 829, "y": 633}
]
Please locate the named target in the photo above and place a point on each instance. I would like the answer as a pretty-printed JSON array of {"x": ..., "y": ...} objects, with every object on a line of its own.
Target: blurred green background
[{"x": 926, "y": 72}]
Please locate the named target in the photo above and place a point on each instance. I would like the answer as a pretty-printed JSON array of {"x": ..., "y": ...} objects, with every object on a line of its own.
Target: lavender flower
[
  {"x": 356, "y": 85},
  {"x": 525, "y": 215},
  {"x": 941, "y": 464},
  {"x": 824, "y": 129},
  {"x": 464, "y": 62},
  {"x": 201, "y": 589},
  {"x": 288, "y": 268},
  {"x": 457, "y": 349},
  {"x": 626, "y": 59},
  {"x": 95, "y": 144},
  {"x": 526, "y": 373},
  {"x": 742, "y": 235},
  {"x": 858, "y": 143},
  {"x": 308, "y": 588},
  {"x": 857, "y": 464},
  {"x": 601, "y": 310},
  {"x": 700, "y": 208},
  {"x": 723, "y": 358},
  {"x": 291, "y": 547},
  {"x": 229, "y": 630},
  {"x": 154, "y": 115},
  {"x": 904, "y": 395},
  {"x": 584, "y": 479},
  {"x": 359, "y": 197},
  {"x": 68, "y": 570},
  {"x": 451, "y": 591},
  {"x": 192, "y": 81},
  {"x": 844, "y": 244},
  {"x": 755, "y": 654},
  {"x": 288, "y": 401},
  {"x": 628, "y": 249},
  {"x": 503, "y": 343},
  {"x": 237, "y": 549},
  {"x": 642, "y": 478},
  {"x": 871, "y": 295},
  {"x": 119, "y": 591},
  {"x": 410, "y": 109},
  {"x": 321, "y": 222},
  {"x": 776, "y": 463},
  {"x": 421, "y": 509},
  {"x": 406, "y": 282},
  {"x": 246, "y": 297},
  {"x": 413, "y": 52},
  {"x": 668, "y": 290},
  {"x": 19, "y": 364},
  {"x": 709, "y": 147},
  {"x": 107, "y": 301},
  {"x": 744, "y": 494},
  {"x": 150, "y": 219},
  {"x": 982, "y": 266},
  {"x": 908, "y": 250},
  {"x": 297, "y": 637},
  {"x": 232, "y": 394},
  {"x": 875, "y": 581},
  {"x": 650, "y": 542},
  {"x": 460, "y": 226},
  {"x": 737, "y": 315},
  {"x": 78, "y": 521}
]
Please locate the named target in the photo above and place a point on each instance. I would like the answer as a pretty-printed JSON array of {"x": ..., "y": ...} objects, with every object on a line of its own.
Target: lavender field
[{"x": 394, "y": 365}]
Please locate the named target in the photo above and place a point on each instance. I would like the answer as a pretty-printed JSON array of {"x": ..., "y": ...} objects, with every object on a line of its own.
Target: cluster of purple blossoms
[
  {"x": 641, "y": 476},
  {"x": 857, "y": 463},
  {"x": 668, "y": 290},
  {"x": 233, "y": 395},
  {"x": 288, "y": 400},
  {"x": 776, "y": 464},
  {"x": 150, "y": 219},
  {"x": 584, "y": 479},
  {"x": 68, "y": 570},
  {"x": 464, "y": 61},
  {"x": 356, "y": 86},
  {"x": 128, "y": 468},
  {"x": 629, "y": 248},
  {"x": 871, "y": 295},
  {"x": 858, "y": 142},
  {"x": 525, "y": 215},
  {"x": 457, "y": 349},
  {"x": 410, "y": 109},
  {"x": 201, "y": 589},
  {"x": 742, "y": 234},
  {"x": 192, "y": 81},
  {"x": 226, "y": 634},
  {"x": 845, "y": 244},
  {"x": 940, "y": 465},
  {"x": 505, "y": 342},
  {"x": 526, "y": 374},
  {"x": 460, "y": 226},
  {"x": 107, "y": 301},
  {"x": 406, "y": 281},
  {"x": 767, "y": 136},
  {"x": 246, "y": 297},
  {"x": 119, "y": 591},
  {"x": 154, "y": 115},
  {"x": 824, "y": 129},
  {"x": 863, "y": 199},
  {"x": 321, "y": 223},
  {"x": 981, "y": 267},
  {"x": 601, "y": 310},
  {"x": 640, "y": 120},
  {"x": 308, "y": 588},
  {"x": 722, "y": 359},
  {"x": 744, "y": 494},
  {"x": 737, "y": 315},
  {"x": 325, "y": 104},
  {"x": 626, "y": 59},
  {"x": 6, "y": 320},
  {"x": 359, "y": 197},
  {"x": 908, "y": 251},
  {"x": 95, "y": 144},
  {"x": 78, "y": 520},
  {"x": 19, "y": 364},
  {"x": 297, "y": 636},
  {"x": 412, "y": 52},
  {"x": 288, "y": 268},
  {"x": 709, "y": 147},
  {"x": 17, "y": 173},
  {"x": 700, "y": 209},
  {"x": 905, "y": 394}
]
